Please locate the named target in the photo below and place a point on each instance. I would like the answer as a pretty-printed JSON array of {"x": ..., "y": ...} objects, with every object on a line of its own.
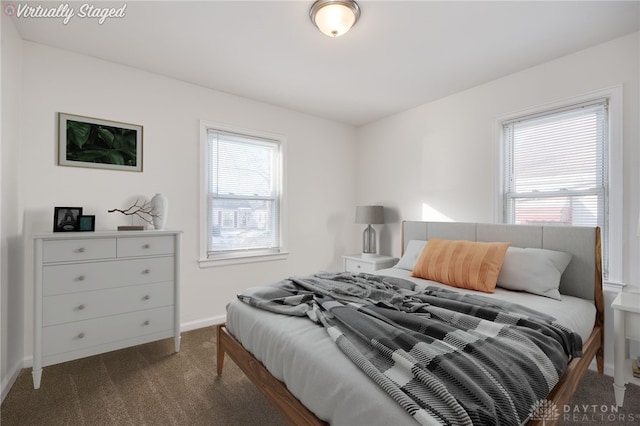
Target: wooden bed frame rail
[{"x": 273, "y": 389}]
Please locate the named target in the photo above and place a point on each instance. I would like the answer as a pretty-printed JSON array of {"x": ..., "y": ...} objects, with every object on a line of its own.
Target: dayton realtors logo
[
  {"x": 64, "y": 12},
  {"x": 547, "y": 411}
]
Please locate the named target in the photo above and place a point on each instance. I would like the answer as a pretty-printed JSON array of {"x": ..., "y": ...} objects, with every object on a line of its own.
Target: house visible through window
[
  {"x": 556, "y": 168},
  {"x": 244, "y": 195}
]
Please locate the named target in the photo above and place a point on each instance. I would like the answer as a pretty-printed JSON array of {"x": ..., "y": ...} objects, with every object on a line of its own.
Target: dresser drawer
[
  {"x": 358, "y": 266},
  {"x": 144, "y": 271},
  {"x": 71, "y": 307},
  {"x": 70, "y": 278},
  {"x": 80, "y": 249},
  {"x": 145, "y": 246},
  {"x": 83, "y": 334},
  {"x": 73, "y": 277}
]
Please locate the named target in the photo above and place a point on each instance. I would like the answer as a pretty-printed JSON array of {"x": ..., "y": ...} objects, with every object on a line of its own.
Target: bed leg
[
  {"x": 600, "y": 360},
  {"x": 220, "y": 349}
]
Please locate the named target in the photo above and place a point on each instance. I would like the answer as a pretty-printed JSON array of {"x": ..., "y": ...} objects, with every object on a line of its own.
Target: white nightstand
[
  {"x": 626, "y": 325},
  {"x": 369, "y": 263}
]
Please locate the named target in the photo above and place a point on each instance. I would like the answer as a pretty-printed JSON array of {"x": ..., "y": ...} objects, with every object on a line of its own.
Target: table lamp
[{"x": 369, "y": 215}]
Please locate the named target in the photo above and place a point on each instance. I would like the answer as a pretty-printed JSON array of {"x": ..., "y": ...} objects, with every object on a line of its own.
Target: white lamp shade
[
  {"x": 369, "y": 214},
  {"x": 334, "y": 17}
]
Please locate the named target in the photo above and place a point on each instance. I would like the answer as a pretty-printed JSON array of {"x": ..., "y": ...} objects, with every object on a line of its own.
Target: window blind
[
  {"x": 556, "y": 167},
  {"x": 244, "y": 194}
]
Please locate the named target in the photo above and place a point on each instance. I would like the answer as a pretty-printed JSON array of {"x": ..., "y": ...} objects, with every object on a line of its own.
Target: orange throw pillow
[{"x": 463, "y": 264}]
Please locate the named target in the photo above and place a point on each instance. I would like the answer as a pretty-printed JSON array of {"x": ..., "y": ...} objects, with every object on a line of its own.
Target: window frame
[
  {"x": 614, "y": 206},
  {"x": 237, "y": 257}
]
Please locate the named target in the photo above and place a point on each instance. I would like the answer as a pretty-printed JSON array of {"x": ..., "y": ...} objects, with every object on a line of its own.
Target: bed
[{"x": 287, "y": 357}]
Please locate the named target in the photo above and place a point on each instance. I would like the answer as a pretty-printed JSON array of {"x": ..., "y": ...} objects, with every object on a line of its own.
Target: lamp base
[
  {"x": 369, "y": 241},
  {"x": 368, "y": 255}
]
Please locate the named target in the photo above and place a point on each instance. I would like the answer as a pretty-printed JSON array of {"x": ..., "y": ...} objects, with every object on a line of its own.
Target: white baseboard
[
  {"x": 9, "y": 380},
  {"x": 207, "y": 322},
  {"x": 608, "y": 367}
]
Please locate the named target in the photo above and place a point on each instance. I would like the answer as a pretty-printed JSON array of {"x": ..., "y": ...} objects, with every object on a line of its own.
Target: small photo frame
[
  {"x": 66, "y": 219},
  {"x": 101, "y": 144},
  {"x": 87, "y": 223}
]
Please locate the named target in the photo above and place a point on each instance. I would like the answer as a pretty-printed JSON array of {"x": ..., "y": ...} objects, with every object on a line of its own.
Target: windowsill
[
  {"x": 242, "y": 259},
  {"x": 613, "y": 286}
]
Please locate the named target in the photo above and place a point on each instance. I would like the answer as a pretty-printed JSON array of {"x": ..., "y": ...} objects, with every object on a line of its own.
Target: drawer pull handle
[
  {"x": 358, "y": 266},
  {"x": 80, "y": 250},
  {"x": 147, "y": 297},
  {"x": 81, "y": 307},
  {"x": 146, "y": 323},
  {"x": 146, "y": 246},
  {"x": 81, "y": 336},
  {"x": 146, "y": 271},
  {"x": 81, "y": 278}
]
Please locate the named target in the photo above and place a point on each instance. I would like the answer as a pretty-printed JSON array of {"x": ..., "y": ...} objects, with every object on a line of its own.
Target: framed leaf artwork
[{"x": 100, "y": 144}]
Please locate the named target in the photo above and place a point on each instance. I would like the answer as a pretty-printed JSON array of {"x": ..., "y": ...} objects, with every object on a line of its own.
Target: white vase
[{"x": 159, "y": 209}]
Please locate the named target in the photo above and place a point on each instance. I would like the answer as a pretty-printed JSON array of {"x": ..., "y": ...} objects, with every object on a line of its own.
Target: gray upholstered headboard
[{"x": 582, "y": 276}]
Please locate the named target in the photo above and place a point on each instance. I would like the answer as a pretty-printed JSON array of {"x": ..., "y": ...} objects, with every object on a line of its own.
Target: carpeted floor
[
  {"x": 152, "y": 385},
  {"x": 145, "y": 385},
  {"x": 594, "y": 404}
]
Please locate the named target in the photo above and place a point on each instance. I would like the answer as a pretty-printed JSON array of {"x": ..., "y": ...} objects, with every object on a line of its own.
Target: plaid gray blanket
[{"x": 445, "y": 357}]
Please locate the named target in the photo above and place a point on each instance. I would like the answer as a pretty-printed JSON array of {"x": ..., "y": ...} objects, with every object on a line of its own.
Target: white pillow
[
  {"x": 533, "y": 270},
  {"x": 411, "y": 254}
]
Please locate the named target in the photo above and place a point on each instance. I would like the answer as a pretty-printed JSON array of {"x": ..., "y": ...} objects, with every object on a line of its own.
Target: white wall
[
  {"x": 320, "y": 177},
  {"x": 438, "y": 161},
  {"x": 11, "y": 312}
]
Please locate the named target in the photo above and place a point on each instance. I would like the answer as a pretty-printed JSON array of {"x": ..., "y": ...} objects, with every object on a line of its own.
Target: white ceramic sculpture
[{"x": 160, "y": 208}]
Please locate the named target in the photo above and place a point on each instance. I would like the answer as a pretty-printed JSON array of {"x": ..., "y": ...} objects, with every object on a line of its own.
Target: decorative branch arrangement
[{"x": 143, "y": 211}]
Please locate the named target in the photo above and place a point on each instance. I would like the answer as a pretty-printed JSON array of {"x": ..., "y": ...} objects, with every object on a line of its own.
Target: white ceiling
[{"x": 398, "y": 56}]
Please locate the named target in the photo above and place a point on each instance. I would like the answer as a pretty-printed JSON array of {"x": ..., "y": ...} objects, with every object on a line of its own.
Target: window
[
  {"x": 243, "y": 194},
  {"x": 556, "y": 168}
]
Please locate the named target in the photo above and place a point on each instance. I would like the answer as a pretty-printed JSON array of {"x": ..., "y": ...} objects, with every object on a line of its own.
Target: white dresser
[{"x": 96, "y": 292}]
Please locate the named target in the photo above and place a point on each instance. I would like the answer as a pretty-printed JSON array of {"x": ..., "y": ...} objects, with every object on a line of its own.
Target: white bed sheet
[{"x": 299, "y": 353}]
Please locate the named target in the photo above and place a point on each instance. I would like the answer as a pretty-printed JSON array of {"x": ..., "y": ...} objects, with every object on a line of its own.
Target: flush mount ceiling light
[{"x": 334, "y": 17}]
